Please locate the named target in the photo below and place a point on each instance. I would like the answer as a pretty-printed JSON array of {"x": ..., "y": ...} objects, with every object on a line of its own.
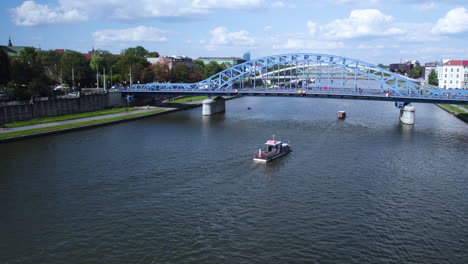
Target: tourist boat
[{"x": 274, "y": 149}]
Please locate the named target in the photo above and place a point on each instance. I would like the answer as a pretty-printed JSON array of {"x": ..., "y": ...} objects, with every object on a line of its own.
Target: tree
[
  {"x": 212, "y": 68},
  {"x": 96, "y": 62},
  {"x": 137, "y": 51},
  {"x": 147, "y": 75},
  {"x": 75, "y": 64},
  {"x": 180, "y": 73},
  {"x": 4, "y": 67},
  {"x": 383, "y": 66},
  {"x": 197, "y": 72},
  {"x": 124, "y": 63},
  {"x": 153, "y": 54},
  {"x": 102, "y": 52},
  {"x": 51, "y": 61},
  {"x": 415, "y": 72},
  {"x": 433, "y": 78},
  {"x": 161, "y": 72}
]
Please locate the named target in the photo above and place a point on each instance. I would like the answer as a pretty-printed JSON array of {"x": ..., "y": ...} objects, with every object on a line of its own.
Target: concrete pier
[
  {"x": 214, "y": 105},
  {"x": 407, "y": 115}
]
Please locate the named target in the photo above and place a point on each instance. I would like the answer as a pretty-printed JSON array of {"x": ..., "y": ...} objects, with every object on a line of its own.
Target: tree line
[{"x": 35, "y": 73}]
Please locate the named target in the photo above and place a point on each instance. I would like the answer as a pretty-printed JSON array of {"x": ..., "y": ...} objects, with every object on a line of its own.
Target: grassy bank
[
  {"x": 188, "y": 99},
  {"x": 456, "y": 109},
  {"x": 460, "y": 113},
  {"x": 44, "y": 120},
  {"x": 74, "y": 125}
]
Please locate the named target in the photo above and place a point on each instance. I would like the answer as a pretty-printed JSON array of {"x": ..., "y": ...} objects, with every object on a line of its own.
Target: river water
[{"x": 182, "y": 188}]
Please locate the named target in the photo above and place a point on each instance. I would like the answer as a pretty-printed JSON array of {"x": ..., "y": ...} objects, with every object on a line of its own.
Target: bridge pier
[
  {"x": 213, "y": 106},
  {"x": 407, "y": 115}
]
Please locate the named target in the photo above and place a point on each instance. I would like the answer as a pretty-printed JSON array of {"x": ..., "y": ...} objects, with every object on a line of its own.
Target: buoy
[{"x": 341, "y": 114}]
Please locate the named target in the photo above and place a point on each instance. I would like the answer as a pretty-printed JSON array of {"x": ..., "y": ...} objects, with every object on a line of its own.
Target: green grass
[
  {"x": 44, "y": 120},
  {"x": 465, "y": 106},
  {"x": 454, "y": 109},
  {"x": 73, "y": 125},
  {"x": 188, "y": 99}
]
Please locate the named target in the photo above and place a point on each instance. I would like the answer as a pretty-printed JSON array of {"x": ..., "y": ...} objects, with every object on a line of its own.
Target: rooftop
[
  {"x": 220, "y": 58},
  {"x": 456, "y": 63}
]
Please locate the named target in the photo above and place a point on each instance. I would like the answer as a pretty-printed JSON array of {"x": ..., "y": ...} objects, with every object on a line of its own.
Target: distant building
[
  {"x": 13, "y": 51},
  {"x": 403, "y": 68},
  {"x": 246, "y": 56},
  {"x": 171, "y": 61},
  {"x": 228, "y": 61},
  {"x": 453, "y": 74},
  {"x": 428, "y": 68}
]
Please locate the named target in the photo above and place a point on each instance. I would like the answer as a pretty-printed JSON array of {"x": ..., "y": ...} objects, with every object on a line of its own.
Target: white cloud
[
  {"x": 301, "y": 43},
  {"x": 454, "y": 22},
  {"x": 29, "y": 13},
  {"x": 231, "y": 4},
  {"x": 221, "y": 37},
  {"x": 429, "y": 6},
  {"x": 280, "y": 4},
  {"x": 136, "y": 34},
  {"x": 360, "y": 23},
  {"x": 267, "y": 28},
  {"x": 313, "y": 27}
]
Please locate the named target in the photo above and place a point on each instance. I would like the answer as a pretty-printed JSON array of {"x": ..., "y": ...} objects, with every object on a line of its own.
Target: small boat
[{"x": 274, "y": 149}]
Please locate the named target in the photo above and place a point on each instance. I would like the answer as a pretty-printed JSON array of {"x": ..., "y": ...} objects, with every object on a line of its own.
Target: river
[{"x": 182, "y": 188}]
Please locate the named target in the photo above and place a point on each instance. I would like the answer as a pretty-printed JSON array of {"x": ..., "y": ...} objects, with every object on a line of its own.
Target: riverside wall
[{"x": 49, "y": 107}]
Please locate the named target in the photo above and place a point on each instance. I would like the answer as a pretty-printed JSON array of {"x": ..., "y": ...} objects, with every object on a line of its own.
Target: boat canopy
[{"x": 272, "y": 142}]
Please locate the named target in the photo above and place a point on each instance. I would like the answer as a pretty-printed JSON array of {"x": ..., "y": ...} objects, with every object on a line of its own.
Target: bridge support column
[
  {"x": 214, "y": 106},
  {"x": 407, "y": 115}
]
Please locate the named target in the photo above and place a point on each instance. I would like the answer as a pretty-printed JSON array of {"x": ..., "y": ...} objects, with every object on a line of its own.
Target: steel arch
[{"x": 225, "y": 80}]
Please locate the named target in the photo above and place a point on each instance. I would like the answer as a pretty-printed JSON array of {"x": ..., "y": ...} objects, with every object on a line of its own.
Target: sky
[{"x": 375, "y": 31}]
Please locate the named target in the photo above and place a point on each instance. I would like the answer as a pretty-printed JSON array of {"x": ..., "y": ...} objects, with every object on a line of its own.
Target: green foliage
[
  {"x": 433, "y": 78},
  {"x": 147, "y": 75},
  {"x": 212, "y": 68},
  {"x": 4, "y": 67},
  {"x": 416, "y": 72},
  {"x": 153, "y": 54},
  {"x": 96, "y": 62},
  {"x": 123, "y": 65},
  {"x": 383, "y": 66},
  {"x": 138, "y": 51},
  {"x": 180, "y": 73},
  {"x": 198, "y": 71},
  {"x": 51, "y": 62},
  {"x": 102, "y": 52},
  {"x": 161, "y": 72},
  {"x": 72, "y": 60}
]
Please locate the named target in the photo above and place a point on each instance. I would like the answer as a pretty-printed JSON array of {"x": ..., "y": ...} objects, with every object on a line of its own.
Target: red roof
[
  {"x": 457, "y": 63},
  {"x": 60, "y": 51}
]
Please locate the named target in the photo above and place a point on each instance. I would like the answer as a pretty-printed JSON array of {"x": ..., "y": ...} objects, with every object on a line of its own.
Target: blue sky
[{"x": 376, "y": 31}]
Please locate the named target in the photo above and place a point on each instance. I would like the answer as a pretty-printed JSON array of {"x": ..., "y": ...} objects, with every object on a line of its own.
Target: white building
[
  {"x": 428, "y": 68},
  {"x": 453, "y": 74}
]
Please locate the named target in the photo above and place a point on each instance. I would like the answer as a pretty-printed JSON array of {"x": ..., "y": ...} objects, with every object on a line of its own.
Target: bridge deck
[{"x": 377, "y": 96}]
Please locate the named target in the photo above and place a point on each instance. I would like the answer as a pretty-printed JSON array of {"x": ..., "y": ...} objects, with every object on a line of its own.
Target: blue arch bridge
[{"x": 308, "y": 75}]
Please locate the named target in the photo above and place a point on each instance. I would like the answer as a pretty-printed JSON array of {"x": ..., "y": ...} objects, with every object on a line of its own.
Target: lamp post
[{"x": 111, "y": 76}]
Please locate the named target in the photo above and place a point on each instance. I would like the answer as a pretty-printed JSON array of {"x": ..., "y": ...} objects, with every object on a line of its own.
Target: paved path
[{"x": 5, "y": 130}]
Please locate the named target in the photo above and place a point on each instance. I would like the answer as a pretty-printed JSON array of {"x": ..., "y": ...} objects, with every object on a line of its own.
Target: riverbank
[
  {"x": 64, "y": 124},
  {"x": 8, "y": 134},
  {"x": 458, "y": 112}
]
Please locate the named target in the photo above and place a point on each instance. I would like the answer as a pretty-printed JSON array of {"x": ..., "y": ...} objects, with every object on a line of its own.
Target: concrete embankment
[{"x": 135, "y": 115}]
